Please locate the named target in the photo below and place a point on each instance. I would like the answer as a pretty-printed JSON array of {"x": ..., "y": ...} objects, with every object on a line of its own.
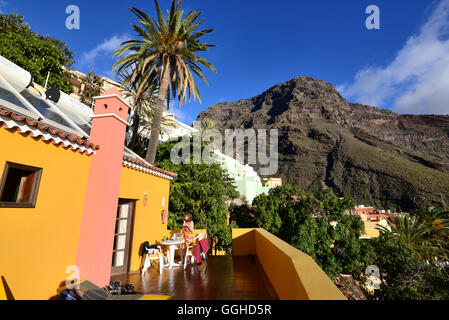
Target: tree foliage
[
  {"x": 35, "y": 53},
  {"x": 413, "y": 257},
  {"x": 199, "y": 189},
  {"x": 307, "y": 222},
  {"x": 404, "y": 275},
  {"x": 143, "y": 92},
  {"x": 143, "y": 108},
  {"x": 93, "y": 84},
  {"x": 425, "y": 231}
]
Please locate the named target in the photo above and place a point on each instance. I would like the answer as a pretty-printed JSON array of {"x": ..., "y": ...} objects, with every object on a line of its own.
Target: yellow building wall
[
  {"x": 274, "y": 182},
  {"x": 37, "y": 244},
  {"x": 148, "y": 219},
  {"x": 372, "y": 228}
]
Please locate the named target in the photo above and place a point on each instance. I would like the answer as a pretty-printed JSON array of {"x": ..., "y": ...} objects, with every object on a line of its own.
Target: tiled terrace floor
[{"x": 226, "y": 278}]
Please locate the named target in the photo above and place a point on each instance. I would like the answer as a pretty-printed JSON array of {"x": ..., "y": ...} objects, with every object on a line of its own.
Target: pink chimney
[{"x": 96, "y": 240}]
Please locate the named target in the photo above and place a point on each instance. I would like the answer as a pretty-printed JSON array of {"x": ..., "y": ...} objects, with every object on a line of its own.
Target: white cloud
[
  {"x": 179, "y": 113},
  {"x": 108, "y": 46},
  {"x": 417, "y": 80}
]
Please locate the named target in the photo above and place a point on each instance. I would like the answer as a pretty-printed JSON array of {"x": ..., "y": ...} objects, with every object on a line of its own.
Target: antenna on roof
[{"x": 46, "y": 81}]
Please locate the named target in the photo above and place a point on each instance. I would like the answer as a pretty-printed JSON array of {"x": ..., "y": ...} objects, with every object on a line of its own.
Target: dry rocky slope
[{"x": 374, "y": 155}]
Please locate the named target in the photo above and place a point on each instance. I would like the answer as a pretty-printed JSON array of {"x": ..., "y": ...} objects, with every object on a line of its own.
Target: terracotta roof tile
[
  {"x": 151, "y": 167},
  {"x": 63, "y": 135},
  {"x": 44, "y": 127}
]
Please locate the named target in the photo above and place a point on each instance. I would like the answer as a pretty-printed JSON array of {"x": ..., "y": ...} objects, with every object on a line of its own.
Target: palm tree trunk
[
  {"x": 158, "y": 112},
  {"x": 135, "y": 127}
]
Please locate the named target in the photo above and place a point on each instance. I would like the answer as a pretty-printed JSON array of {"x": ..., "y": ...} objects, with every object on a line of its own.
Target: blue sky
[{"x": 403, "y": 66}]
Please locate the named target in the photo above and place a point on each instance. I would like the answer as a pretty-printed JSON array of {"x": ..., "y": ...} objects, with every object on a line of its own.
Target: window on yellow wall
[{"x": 19, "y": 186}]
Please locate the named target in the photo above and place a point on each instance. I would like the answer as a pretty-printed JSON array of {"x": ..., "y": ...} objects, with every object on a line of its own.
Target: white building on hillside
[
  {"x": 247, "y": 181},
  {"x": 176, "y": 129}
]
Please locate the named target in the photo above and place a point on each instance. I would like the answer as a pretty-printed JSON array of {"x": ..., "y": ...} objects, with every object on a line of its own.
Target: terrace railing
[{"x": 293, "y": 274}]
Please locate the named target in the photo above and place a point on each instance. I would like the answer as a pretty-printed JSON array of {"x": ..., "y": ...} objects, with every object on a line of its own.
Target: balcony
[
  {"x": 262, "y": 267},
  {"x": 226, "y": 278}
]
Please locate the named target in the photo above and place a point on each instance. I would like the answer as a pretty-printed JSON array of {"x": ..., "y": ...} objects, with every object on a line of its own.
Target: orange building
[
  {"x": 373, "y": 219},
  {"x": 72, "y": 205},
  {"x": 365, "y": 210},
  {"x": 369, "y": 214}
]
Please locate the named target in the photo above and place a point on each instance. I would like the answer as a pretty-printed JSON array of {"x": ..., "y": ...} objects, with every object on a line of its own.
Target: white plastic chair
[
  {"x": 151, "y": 255},
  {"x": 189, "y": 250}
]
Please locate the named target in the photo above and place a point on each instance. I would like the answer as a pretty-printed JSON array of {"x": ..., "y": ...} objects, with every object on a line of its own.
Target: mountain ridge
[{"x": 375, "y": 155}]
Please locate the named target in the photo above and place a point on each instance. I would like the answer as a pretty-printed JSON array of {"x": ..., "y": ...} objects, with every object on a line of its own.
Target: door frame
[{"x": 129, "y": 239}]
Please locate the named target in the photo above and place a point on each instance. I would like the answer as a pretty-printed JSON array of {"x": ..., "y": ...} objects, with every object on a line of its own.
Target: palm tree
[
  {"x": 144, "y": 105},
  {"x": 437, "y": 216},
  {"x": 420, "y": 234},
  {"x": 143, "y": 95},
  {"x": 168, "y": 47},
  {"x": 146, "y": 121},
  {"x": 208, "y": 124},
  {"x": 438, "y": 221}
]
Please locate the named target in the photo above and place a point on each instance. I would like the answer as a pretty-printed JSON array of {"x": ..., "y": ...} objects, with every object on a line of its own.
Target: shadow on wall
[
  {"x": 5, "y": 291},
  {"x": 293, "y": 274}
]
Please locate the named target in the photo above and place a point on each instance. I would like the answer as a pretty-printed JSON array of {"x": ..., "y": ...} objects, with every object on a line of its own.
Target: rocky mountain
[{"x": 374, "y": 155}]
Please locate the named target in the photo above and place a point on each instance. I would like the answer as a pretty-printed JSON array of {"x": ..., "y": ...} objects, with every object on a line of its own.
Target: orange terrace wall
[
  {"x": 293, "y": 274},
  {"x": 37, "y": 244}
]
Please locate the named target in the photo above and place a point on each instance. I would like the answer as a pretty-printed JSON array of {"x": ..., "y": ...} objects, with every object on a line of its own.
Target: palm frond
[{"x": 162, "y": 23}]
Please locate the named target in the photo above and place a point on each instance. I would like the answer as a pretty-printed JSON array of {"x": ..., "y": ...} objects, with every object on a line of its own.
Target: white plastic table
[{"x": 172, "y": 244}]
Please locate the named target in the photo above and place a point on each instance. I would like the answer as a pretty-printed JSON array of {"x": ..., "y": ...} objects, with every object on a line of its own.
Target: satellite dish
[{"x": 19, "y": 78}]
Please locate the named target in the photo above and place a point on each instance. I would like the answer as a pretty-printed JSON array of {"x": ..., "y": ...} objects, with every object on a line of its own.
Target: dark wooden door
[{"x": 123, "y": 237}]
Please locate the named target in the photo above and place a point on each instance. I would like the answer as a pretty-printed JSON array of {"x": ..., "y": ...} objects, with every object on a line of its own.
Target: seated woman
[{"x": 188, "y": 230}]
